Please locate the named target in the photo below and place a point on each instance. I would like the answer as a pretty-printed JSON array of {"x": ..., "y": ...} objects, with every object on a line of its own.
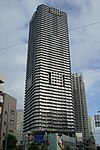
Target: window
[
  {"x": 12, "y": 112},
  {"x": 11, "y": 122},
  {"x": 57, "y": 79},
  {"x": 49, "y": 77},
  {"x": 29, "y": 82},
  {"x": 10, "y": 131},
  {"x": 4, "y": 134},
  {"x": 5, "y": 112},
  {"x": 63, "y": 80},
  {"x": 4, "y": 123}
]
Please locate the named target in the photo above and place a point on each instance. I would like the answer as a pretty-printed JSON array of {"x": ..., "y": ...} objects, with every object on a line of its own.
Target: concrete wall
[{"x": 8, "y": 123}]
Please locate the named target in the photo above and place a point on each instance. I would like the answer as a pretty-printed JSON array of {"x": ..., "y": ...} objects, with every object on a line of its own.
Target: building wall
[
  {"x": 81, "y": 117},
  {"x": 48, "y": 95},
  {"x": 91, "y": 125},
  {"x": 1, "y": 104},
  {"x": 97, "y": 128},
  {"x": 19, "y": 125},
  {"x": 8, "y": 124},
  {"x": 59, "y": 142},
  {"x": 97, "y": 120},
  {"x": 52, "y": 138}
]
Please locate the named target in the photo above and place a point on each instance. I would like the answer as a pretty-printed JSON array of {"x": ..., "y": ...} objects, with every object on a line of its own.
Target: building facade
[
  {"x": 97, "y": 128},
  {"x": 49, "y": 103},
  {"x": 91, "y": 123},
  {"x": 97, "y": 120},
  {"x": 1, "y": 105},
  {"x": 19, "y": 126},
  {"x": 81, "y": 117},
  {"x": 7, "y": 114}
]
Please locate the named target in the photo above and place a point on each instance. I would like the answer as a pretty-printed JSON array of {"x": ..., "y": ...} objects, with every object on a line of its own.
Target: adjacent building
[
  {"x": 97, "y": 120},
  {"x": 7, "y": 114},
  {"x": 49, "y": 105},
  {"x": 81, "y": 117},
  {"x": 97, "y": 128},
  {"x": 1, "y": 105},
  {"x": 19, "y": 126},
  {"x": 91, "y": 124}
]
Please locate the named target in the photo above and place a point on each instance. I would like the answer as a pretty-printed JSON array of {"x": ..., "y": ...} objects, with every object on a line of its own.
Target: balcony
[
  {"x": 1, "y": 89},
  {"x": 1, "y": 99},
  {"x": 1, "y": 84},
  {"x": 1, "y": 78}
]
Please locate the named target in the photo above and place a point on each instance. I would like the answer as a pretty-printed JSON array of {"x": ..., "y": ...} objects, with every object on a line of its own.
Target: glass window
[
  {"x": 4, "y": 123},
  {"x": 6, "y": 112},
  {"x": 4, "y": 134},
  {"x": 12, "y": 112},
  {"x": 11, "y": 122},
  {"x": 11, "y": 131},
  {"x": 29, "y": 82}
]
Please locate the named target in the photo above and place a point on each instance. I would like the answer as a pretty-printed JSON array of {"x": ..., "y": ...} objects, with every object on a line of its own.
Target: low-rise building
[{"x": 7, "y": 114}]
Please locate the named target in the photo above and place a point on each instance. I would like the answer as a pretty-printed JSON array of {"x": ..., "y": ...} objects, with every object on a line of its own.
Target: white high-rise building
[
  {"x": 97, "y": 128},
  {"x": 81, "y": 115},
  {"x": 97, "y": 120},
  {"x": 49, "y": 105},
  {"x": 91, "y": 124}
]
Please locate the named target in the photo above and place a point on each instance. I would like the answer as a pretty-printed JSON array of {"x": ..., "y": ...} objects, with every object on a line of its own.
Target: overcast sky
[{"x": 84, "y": 44}]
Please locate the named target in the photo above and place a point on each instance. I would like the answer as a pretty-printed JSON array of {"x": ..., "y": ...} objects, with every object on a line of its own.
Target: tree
[
  {"x": 3, "y": 144},
  {"x": 43, "y": 147},
  {"x": 11, "y": 142},
  {"x": 98, "y": 147},
  {"x": 68, "y": 148},
  {"x": 33, "y": 146},
  {"x": 20, "y": 147}
]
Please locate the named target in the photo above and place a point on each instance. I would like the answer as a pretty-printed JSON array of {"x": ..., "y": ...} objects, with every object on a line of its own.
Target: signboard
[{"x": 39, "y": 138}]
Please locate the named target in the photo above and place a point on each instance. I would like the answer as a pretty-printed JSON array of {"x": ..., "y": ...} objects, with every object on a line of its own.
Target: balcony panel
[{"x": 1, "y": 99}]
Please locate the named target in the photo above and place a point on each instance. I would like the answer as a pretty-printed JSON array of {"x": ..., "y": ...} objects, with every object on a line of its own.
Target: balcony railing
[{"x": 1, "y": 99}]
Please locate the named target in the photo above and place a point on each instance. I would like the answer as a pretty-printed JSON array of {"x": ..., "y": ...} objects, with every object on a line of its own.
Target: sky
[{"x": 84, "y": 41}]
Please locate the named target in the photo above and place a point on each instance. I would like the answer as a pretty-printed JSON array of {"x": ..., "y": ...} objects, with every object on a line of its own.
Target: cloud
[
  {"x": 85, "y": 49},
  {"x": 13, "y": 65},
  {"x": 14, "y": 26},
  {"x": 91, "y": 78},
  {"x": 84, "y": 42}
]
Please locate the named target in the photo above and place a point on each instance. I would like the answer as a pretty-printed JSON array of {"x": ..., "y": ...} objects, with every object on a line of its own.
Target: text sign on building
[{"x": 39, "y": 138}]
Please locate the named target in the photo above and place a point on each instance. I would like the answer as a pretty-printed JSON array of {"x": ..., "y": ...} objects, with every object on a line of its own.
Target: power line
[
  {"x": 12, "y": 46},
  {"x": 91, "y": 24}
]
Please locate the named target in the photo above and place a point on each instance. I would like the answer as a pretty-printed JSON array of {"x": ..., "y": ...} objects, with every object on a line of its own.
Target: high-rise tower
[
  {"x": 48, "y": 95},
  {"x": 81, "y": 117}
]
